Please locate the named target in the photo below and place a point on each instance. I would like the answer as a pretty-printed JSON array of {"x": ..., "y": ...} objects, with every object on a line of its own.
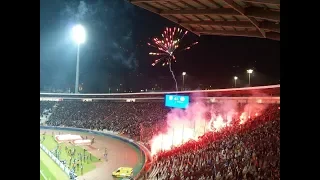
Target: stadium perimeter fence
[{"x": 57, "y": 161}]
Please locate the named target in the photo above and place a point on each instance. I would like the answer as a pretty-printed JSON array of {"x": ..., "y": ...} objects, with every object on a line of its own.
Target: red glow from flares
[{"x": 199, "y": 118}]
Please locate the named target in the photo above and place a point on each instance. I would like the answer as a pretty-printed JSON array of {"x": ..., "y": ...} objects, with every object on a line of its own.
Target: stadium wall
[{"x": 108, "y": 134}]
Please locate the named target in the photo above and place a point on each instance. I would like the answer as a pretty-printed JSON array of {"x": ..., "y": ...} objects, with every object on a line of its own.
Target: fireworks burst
[{"x": 168, "y": 46}]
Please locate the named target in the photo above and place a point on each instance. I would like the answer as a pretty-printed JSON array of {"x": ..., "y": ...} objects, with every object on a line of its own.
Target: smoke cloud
[
  {"x": 201, "y": 117},
  {"x": 109, "y": 21}
]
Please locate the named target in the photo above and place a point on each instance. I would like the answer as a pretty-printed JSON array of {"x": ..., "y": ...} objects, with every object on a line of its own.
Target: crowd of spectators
[
  {"x": 249, "y": 151},
  {"x": 122, "y": 117},
  {"x": 46, "y": 108}
]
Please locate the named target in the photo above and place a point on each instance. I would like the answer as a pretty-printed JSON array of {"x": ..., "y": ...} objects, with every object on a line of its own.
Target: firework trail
[
  {"x": 174, "y": 77},
  {"x": 168, "y": 46}
]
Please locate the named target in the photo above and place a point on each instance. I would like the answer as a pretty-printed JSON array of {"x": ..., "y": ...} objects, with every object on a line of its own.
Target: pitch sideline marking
[{"x": 43, "y": 175}]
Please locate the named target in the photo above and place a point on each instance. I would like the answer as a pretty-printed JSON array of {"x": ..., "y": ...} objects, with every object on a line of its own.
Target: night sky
[{"x": 116, "y": 51}]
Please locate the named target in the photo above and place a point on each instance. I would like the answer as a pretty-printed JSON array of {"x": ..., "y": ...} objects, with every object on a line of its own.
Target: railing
[{"x": 211, "y": 99}]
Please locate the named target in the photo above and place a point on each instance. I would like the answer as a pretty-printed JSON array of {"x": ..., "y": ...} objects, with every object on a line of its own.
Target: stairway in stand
[{"x": 44, "y": 119}]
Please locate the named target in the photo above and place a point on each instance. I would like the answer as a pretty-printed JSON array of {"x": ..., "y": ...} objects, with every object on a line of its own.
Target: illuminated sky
[{"x": 116, "y": 50}]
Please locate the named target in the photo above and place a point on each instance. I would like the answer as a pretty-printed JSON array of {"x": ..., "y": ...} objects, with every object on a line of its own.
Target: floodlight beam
[{"x": 79, "y": 36}]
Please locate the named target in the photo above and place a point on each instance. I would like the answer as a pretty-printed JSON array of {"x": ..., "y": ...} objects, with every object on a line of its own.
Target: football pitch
[
  {"x": 47, "y": 165},
  {"x": 49, "y": 170}
]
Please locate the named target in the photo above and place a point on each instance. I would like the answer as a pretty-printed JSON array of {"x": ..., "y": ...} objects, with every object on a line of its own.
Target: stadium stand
[
  {"x": 249, "y": 151},
  {"x": 46, "y": 106},
  {"x": 112, "y": 116}
]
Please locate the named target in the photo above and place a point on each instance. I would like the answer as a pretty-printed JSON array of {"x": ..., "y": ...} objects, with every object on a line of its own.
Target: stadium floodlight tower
[
  {"x": 235, "y": 81},
  {"x": 183, "y": 74},
  {"x": 249, "y": 71},
  {"x": 79, "y": 36}
]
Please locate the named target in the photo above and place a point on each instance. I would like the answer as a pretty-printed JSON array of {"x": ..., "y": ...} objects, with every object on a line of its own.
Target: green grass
[
  {"x": 49, "y": 170},
  {"x": 50, "y": 143},
  {"x": 42, "y": 177}
]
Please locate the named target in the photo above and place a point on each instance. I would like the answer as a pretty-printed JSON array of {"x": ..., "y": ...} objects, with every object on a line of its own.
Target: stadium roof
[{"x": 250, "y": 18}]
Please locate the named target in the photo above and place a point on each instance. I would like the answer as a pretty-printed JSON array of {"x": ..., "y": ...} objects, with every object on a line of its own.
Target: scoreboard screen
[{"x": 176, "y": 101}]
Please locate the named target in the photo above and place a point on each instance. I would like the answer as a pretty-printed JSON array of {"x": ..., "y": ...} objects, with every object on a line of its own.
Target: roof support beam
[
  {"x": 270, "y": 2},
  {"x": 173, "y": 19},
  {"x": 273, "y": 36},
  {"x": 272, "y": 18},
  {"x": 232, "y": 33},
  {"x": 263, "y": 14},
  {"x": 241, "y": 10},
  {"x": 146, "y": 1},
  {"x": 243, "y": 24},
  {"x": 219, "y": 11},
  {"x": 257, "y": 34},
  {"x": 250, "y": 12},
  {"x": 270, "y": 26},
  {"x": 149, "y": 8}
]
